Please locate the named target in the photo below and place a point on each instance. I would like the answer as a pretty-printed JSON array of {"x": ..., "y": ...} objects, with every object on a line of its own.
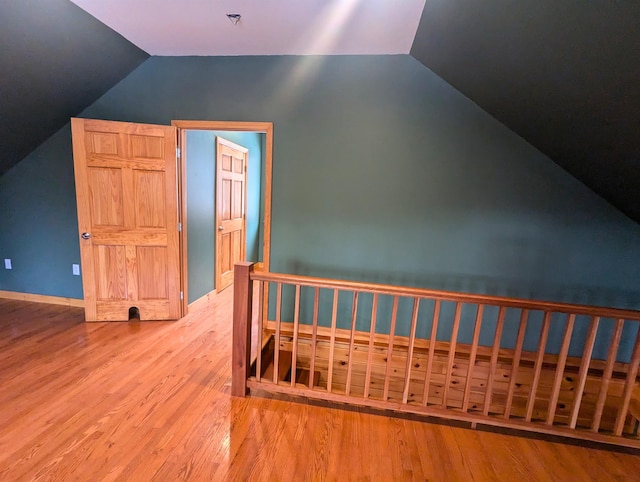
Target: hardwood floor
[{"x": 150, "y": 401}]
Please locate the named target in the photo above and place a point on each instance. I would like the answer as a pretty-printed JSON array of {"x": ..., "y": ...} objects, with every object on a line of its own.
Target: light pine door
[
  {"x": 126, "y": 191},
  {"x": 231, "y": 176}
]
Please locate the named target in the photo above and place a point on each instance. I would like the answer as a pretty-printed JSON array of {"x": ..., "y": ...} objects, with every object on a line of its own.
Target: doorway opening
[{"x": 202, "y": 248}]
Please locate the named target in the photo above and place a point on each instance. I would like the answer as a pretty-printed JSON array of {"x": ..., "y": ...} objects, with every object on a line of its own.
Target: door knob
[
  {"x": 86, "y": 235},
  {"x": 220, "y": 228}
]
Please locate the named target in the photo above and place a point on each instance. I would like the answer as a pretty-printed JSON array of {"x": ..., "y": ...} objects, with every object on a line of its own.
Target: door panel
[
  {"x": 152, "y": 272},
  {"x": 231, "y": 165},
  {"x": 150, "y": 201},
  {"x": 126, "y": 191},
  {"x": 106, "y": 197},
  {"x": 111, "y": 262}
]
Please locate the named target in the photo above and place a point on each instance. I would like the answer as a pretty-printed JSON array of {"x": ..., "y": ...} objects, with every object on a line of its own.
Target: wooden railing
[{"x": 584, "y": 396}]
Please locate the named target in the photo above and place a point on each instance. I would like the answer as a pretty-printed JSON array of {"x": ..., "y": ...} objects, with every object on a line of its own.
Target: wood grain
[
  {"x": 127, "y": 200},
  {"x": 33, "y": 298},
  {"x": 432, "y": 350},
  {"x": 630, "y": 385},
  {"x": 151, "y": 401},
  {"x": 372, "y": 331},
  {"x": 606, "y": 377},
  {"x": 354, "y": 317},
  {"x": 276, "y": 356},
  {"x": 296, "y": 319},
  {"x": 584, "y": 368},
  {"x": 412, "y": 337},
  {"x": 332, "y": 337},
  {"x": 230, "y": 222},
  {"x": 263, "y": 127},
  {"x": 477, "y": 326},
  {"x": 452, "y": 354},
  {"x": 555, "y": 392},
  {"x": 392, "y": 331},
  {"x": 381, "y": 339},
  {"x": 605, "y": 312},
  {"x": 494, "y": 360},
  {"x": 184, "y": 222},
  {"x": 241, "y": 320},
  {"x": 524, "y": 318},
  {"x": 203, "y": 301},
  {"x": 314, "y": 335}
]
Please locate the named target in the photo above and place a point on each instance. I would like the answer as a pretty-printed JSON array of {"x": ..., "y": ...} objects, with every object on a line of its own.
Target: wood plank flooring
[{"x": 150, "y": 401}]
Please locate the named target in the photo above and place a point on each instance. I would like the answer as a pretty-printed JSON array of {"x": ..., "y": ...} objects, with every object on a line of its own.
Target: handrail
[
  {"x": 582, "y": 397},
  {"x": 383, "y": 289}
]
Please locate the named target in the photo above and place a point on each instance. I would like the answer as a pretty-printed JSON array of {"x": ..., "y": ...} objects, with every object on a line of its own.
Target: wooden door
[
  {"x": 231, "y": 175},
  {"x": 126, "y": 191}
]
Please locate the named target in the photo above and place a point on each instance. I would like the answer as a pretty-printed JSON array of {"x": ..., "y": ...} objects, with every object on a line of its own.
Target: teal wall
[
  {"x": 201, "y": 155},
  {"x": 38, "y": 222},
  {"x": 381, "y": 172},
  {"x": 201, "y": 212}
]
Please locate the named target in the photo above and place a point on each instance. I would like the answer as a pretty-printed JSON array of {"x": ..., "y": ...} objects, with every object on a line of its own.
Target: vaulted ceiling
[
  {"x": 562, "y": 74},
  {"x": 55, "y": 60}
]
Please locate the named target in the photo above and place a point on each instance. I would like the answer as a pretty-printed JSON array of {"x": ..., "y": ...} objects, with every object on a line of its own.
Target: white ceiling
[{"x": 267, "y": 27}]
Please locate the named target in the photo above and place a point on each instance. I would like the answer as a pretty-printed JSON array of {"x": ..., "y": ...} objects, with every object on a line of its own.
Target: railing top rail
[{"x": 382, "y": 289}]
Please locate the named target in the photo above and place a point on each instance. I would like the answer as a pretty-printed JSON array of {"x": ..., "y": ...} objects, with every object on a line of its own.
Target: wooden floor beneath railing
[{"x": 150, "y": 401}]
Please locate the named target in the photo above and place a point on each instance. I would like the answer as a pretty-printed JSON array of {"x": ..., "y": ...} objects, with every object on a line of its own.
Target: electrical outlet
[
  {"x": 76, "y": 269},
  {"x": 7, "y": 263}
]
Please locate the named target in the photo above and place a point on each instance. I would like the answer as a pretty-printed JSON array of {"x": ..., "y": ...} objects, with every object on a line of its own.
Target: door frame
[{"x": 183, "y": 126}]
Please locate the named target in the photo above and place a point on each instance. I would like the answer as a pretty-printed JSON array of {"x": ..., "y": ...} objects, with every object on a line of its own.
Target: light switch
[
  {"x": 76, "y": 269},
  {"x": 7, "y": 263}
]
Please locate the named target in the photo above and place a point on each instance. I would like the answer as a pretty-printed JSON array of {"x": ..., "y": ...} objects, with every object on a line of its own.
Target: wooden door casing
[
  {"x": 231, "y": 177},
  {"x": 126, "y": 189}
]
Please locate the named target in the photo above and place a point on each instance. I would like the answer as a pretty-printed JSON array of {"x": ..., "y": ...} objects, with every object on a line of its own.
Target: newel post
[{"x": 242, "y": 311}]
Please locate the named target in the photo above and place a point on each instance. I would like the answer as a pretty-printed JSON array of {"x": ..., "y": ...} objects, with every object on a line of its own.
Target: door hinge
[
  {"x": 178, "y": 152},
  {"x": 179, "y": 227},
  {"x": 182, "y": 295}
]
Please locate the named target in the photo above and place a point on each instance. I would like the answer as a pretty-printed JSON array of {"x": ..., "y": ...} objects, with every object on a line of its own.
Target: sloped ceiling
[
  {"x": 564, "y": 75},
  {"x": 55, "y": 60}
]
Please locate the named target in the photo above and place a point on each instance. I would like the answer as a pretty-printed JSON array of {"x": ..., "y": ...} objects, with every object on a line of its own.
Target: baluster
[
  {"x": 494, "y": 360},
  {"x": 412, "y": 339},
  {"x": 606, "y": 376},
  {"x": 276, "y": 354},
  {"x": 562, "y": 360},
  {"x": 629, "y": 385},
  {"x": 260, "y": 328},
  {"x": 332, "y": 339},
  {"x": 314, "y": 336},
  {"x": 542, "y": 343},
  {"x": 354, "y": 315},
  {"x": 452, "y": 353},
  {"x": 432, "y": 351},
  {"x": 522, "y": 329},
  {"x": 392, "y": 330},
  {"x": 372, "y": 331},
  {"x": 294, "y": 349},
  {"x": 584, "y": 369},
  {"x": 472, "y": 357}
]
